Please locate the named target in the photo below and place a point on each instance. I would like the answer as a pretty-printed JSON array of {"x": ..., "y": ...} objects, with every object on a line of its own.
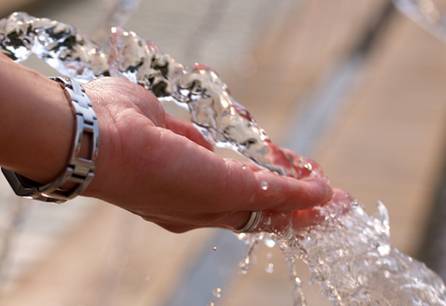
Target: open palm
[{"x": 164, "y": 170}]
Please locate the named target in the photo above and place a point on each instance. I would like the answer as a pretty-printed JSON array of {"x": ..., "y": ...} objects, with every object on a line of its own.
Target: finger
[
  {"x": 248, "y": 165},
  {"x": 343, "y": 200},
  {"x": 216, "y": 185},
  {"x": 291, "y": 155},
  {"x": 279, "y": 222},
  {"x": 171, "y": 226},
  {"x": 271, "y": 221},
  {"x": 232, "y": 221},
  {"x": 238, "y": 188},
  {"x": 339, "y": 205},
  {"x": 175, "y": 228},
  {"x": 187, "y": 130},
  {"x": 284, "y": 194}
]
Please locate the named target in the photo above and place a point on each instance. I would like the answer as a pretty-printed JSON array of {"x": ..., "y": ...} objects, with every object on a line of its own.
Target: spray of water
[{"x": 347, "y": 251}]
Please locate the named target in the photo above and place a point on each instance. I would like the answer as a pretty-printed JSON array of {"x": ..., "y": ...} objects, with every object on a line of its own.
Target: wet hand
[{"x": 164, "y": 170}]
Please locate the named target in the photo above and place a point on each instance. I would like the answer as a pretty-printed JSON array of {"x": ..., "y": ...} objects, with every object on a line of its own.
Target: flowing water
[{"x": 347, "y": 251}]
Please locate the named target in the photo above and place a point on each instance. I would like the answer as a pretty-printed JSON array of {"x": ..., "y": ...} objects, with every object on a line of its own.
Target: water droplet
[
  {"x": 270, "y": 243},
  {"x": 244, "y": 167},
  {"x": 308, "y": 166},
  {"x": 383, "y": 249},
  {"x": 297, "y": 281},
  {"x": 214, "y": 248},
  {"x": 244, "y": 265},
  {"x": 362, "y": 279},
  {"x": 217, "y": 292},
  {"x": 242, "y": 236},
  {"x": 269, "y": 268},
  {"x": 264, "y": 185}
]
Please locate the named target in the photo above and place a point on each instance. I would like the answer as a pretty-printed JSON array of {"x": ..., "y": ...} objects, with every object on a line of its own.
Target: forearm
[{"x": 36, "y": 126}]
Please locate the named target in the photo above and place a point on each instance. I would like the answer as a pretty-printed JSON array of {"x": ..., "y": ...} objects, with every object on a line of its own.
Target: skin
[{"x": 149, "y": 163}]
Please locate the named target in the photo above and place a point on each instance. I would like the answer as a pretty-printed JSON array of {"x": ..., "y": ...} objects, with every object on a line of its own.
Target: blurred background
[{"x": 354, "y": 84}]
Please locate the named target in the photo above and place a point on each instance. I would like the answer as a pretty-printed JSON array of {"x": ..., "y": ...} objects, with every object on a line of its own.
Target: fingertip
[
  {"x": 305, "y": 218},
  {"x": 187, "y": 130},
  {"x": 303, "y": 194},
  {"x": 319, "y": 190}
]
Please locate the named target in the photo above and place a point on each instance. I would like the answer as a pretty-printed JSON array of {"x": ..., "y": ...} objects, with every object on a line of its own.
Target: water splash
[
  {"x": 351, "y": 257},
  {"x": 297, "y": 294},
  {"x": 264, "y": 186},
  {"x": 270, "y": 243},
  {"x": 269, "y": 268},
  {"x": 347, "y": 251},
  {"x": 252, "y": 241},
  {"x": 217, "y": 293},
  {"x": 118, "y": 13}
]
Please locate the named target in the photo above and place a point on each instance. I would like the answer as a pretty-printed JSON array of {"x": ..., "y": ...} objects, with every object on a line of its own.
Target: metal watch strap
[{"x": 80, "y": 170}]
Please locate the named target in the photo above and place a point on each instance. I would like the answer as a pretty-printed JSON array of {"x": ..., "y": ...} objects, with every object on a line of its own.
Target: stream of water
[{"x": 347, "y": 251}]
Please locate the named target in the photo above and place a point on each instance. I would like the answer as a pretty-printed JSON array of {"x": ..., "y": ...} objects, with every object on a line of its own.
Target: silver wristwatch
[{"x": 80, "y": 169}]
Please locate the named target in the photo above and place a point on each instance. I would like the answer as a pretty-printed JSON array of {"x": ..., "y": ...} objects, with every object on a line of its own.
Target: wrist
[
  {"x": 79, "y": 170},
  {"x": 37, "y": 133}
]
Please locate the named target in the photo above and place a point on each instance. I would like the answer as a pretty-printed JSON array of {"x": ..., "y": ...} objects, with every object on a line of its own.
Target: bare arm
[
  {"x": 149, "y": 163},
  {"x": 36, "y": 125}
]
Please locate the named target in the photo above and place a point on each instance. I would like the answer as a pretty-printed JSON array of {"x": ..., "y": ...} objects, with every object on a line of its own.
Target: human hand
[
  {"x": 300, "y": 219},
  {"x": 164, "y": 170}
]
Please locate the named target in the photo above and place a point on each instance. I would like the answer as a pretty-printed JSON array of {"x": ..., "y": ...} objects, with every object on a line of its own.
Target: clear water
[{"x": 347, "y": 252}]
